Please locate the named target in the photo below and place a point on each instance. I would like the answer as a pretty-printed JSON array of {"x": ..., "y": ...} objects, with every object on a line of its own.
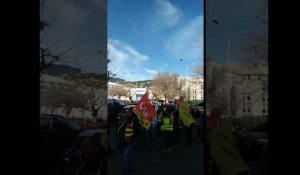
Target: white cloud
[
  {"x": 185, "y": 42},
  {"x": 135, "y": 53},
  {"x": 116, "y": 54},
  {"x": 126, "y": 61},
  {"x": 142, "y": 34},
  {"x": 151, "y": 71},
  {"x": 168, "y": 13}
]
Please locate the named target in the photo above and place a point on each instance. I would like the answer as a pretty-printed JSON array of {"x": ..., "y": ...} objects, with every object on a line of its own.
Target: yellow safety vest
[
  {"x": 129, "y": 130},
  {"x": 167, "y": 124},
  {"x": 160, "y": 118}
]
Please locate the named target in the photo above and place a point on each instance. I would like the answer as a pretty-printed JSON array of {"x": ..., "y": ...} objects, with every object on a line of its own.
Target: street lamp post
[
  {"x": 135, "y": 81},
  {"x": 185, "y": 79},
  {"x": 229, "y": 43}
]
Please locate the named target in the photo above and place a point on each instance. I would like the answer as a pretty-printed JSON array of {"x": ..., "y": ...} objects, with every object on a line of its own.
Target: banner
[
  {"x": 213, "y": 119},
  {"x": 223, "y": 150},
  {"x": 180, "y": 101},
  {"x": 145, "y": 111},
  {"x": 185, "y": 115}
]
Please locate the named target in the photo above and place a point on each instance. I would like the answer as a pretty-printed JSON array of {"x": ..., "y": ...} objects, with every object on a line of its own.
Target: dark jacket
[{"x": 136, "y": 128}]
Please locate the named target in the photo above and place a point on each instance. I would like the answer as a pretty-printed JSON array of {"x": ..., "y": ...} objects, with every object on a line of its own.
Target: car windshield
[
  {"x": 121, "y": 103},
  {"x": 74, "y": 125}
]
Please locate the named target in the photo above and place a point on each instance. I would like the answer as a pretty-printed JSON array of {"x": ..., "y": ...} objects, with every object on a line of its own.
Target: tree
[
  {"x": 50, "y": 51},
  {"x": 111, "y": 71},
  {"x": 94, "y": 101},
  {"x": 215, "y": 89},
  {"x": 198, "y": 69},
  {"x": 117, "y": 91},
  {"x": 168, "y": 83},
  {"x": 256, "y": 46}
]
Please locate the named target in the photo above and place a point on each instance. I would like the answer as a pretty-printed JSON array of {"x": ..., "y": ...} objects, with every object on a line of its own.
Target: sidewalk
[{"x": 183, "y": 160}]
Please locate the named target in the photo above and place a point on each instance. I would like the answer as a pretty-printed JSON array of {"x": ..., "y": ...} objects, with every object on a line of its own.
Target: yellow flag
[
  {"x": 145, "y": 123},
  {"x": 185, "y": 114},
  {"x": 223, "y": 150}
]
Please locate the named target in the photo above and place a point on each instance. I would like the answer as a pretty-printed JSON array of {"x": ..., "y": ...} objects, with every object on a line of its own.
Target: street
[{"x": 150, "y": 160}]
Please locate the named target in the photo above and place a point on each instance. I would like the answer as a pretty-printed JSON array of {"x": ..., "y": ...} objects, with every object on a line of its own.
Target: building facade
[
  {"x": 249, "y": 94},
  {"x": 193, "y": 88}
]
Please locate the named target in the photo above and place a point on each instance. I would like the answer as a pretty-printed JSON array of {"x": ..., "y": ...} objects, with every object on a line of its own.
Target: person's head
[{"x": 129, "y": 112}]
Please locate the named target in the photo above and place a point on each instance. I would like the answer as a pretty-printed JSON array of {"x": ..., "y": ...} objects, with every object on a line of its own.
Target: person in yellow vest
[
  {"x": 132, "y": 132},
  {"x": 167, "y": 129},
  {"x": 160, "y": 123}
]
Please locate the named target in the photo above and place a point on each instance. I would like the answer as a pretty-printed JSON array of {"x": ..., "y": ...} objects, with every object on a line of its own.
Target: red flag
[
  {"x": 145, "y": 110},
  {"x": 180, "y": 101},
  {"x": 214, "y": 118}
]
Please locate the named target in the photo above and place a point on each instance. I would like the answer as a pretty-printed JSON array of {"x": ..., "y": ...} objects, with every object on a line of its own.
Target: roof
[
  {"x": 129, "y": 106},
  {"x": 53, "y": 79},
  {"x": 113, "y": 84},
  {"x": 51, "y": 116}
]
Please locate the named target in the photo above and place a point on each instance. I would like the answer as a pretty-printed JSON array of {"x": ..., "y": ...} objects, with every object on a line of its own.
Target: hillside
[{"x": 59, "y": 70}]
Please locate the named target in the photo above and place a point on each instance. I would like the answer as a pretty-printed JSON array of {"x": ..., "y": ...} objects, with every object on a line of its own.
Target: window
[
  {"x": 249, "y": 77},
  {"x": 244, "y": 110},
  {"x": 248, "y": 98},
  {"x": 248, "y": 110},
  {"x": 263, "y": 99},
  {"x": 263, "y": 111}
]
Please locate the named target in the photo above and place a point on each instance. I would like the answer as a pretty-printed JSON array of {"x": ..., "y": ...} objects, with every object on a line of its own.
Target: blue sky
[{"x": 150, "y": 36}]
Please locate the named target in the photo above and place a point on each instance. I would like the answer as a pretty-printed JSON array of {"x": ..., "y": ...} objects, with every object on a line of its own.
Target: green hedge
[
  {"x": 249, "y": 122},
  {"x": 194, "y": 102}
]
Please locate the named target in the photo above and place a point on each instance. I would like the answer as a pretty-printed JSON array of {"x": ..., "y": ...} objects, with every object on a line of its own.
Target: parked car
[
  {"x": 115, "y": 102},
  {"x": 73, "y": 155},
  {"x": 57, "y": 123},
  {"x": 56, "y": 135},
  {"x": 114, "y": 107}
]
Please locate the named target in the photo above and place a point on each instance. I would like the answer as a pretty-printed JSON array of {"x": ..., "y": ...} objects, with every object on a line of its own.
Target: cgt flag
[{"x": 145, "y": 111}]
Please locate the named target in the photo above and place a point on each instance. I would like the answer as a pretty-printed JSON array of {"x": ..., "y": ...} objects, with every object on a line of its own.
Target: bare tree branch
[{"x": 50, "y": 53}]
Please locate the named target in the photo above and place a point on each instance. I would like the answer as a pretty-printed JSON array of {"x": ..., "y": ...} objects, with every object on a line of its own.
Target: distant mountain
[
  {"x": 144, "y": 81},
  {"x": 116, "y": 80},
  {"x": 59, "y": 70}
]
